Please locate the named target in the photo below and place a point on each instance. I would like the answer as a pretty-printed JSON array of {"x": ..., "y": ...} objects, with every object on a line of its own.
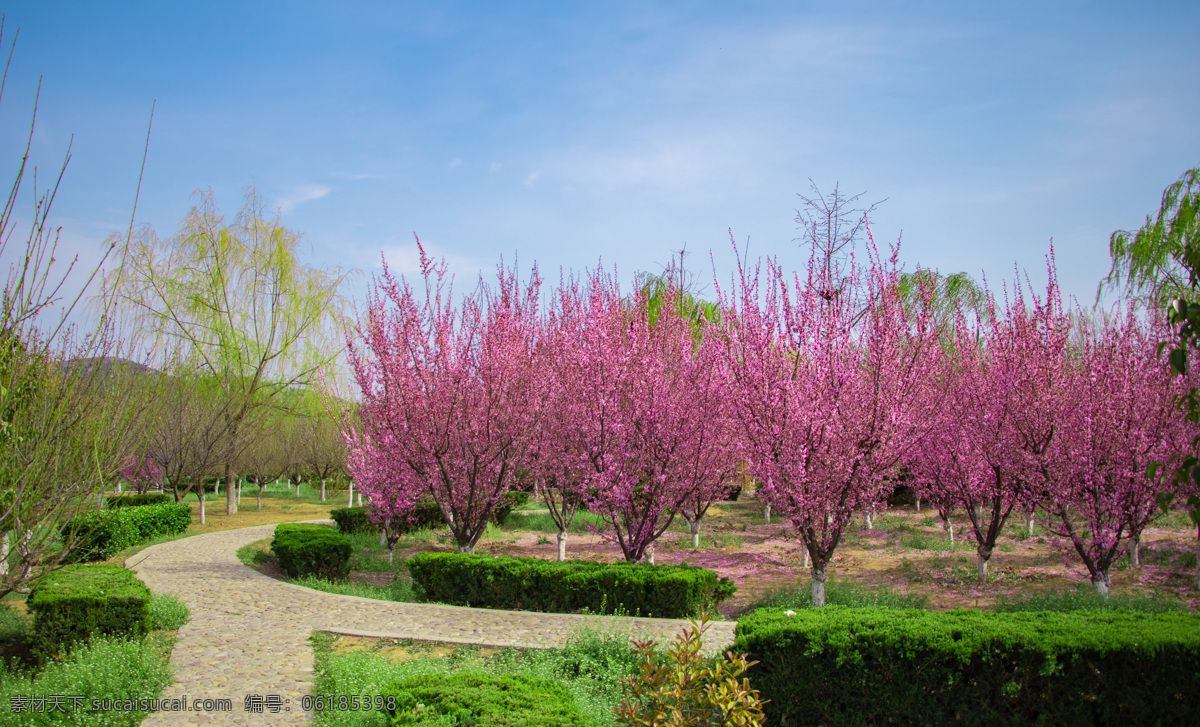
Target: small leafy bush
[
  {"x": 167, "y": 612},
  {"x": 352, "y": 520},
  {"x": 478, "y": 698},
  {"x": 309, "y": 549},
  {"x": 683, "y": 689}
]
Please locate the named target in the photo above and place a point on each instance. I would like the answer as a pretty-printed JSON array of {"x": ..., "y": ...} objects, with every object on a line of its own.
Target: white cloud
[
  {"x": 301, "y": 194},
  {"x": 532, "y": 178},
  {"x": 454, "y": 163},
  {"x": 495, "y": 167}
]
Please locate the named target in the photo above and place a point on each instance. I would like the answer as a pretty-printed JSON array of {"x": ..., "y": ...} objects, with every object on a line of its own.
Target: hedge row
[
  {"x": 843, "y": 666},
  {"x": 72, "y": 604},
  {"x": 532, "y": 584},
  {"x": 309, "y": 549},
  {"x": 101, "y": 535},
  {"x": 149, "y": 498}
]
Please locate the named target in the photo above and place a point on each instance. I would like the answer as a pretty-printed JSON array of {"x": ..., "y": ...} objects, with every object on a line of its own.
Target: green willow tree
[
  {"x": 237, "y": 299},
  {"x": 1160, "y": 265}
]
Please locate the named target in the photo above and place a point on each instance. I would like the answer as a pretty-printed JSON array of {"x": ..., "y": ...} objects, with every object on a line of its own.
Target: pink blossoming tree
[
  {"x": 448, "y": 396},
  {"x": 830, "y": 373}
]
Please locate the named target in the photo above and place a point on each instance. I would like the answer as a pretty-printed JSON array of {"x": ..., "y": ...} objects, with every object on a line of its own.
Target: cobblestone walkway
[{"x": 248, "y": 633}]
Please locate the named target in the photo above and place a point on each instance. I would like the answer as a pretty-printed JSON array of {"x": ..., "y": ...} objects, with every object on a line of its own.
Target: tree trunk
[
  {"x": 562, "y": 544},
  {"x": 200, "y": 496},
  {"x": 350, "y": 502},
  {"x": 322, "y": 489},
  {"x": 1103, "y": 584},
  {"x": 819, "y": 573},
  {"x": 4, "y": 553},
  {"x": 260, "y": 490},
  {"x": 694, "y": 526},
  {"x": 985, "y": 554},
  {"x": 383, "y": 533},
  {"x": 466, "y": 549},
  {"x": 391, "y": 549},
  {"x": 1135, "y": 543},
  {"x": 118, "y": 487},
  {"x": 239, "y": 491},
  {"x": 100, "y": 500},
  {"x": 804, "y": 556},
  {"x": 948, "y": 527},
  {"x": 360, "y": 499},
  {"x": 767, "y": 514},
  {"x": 1198, "y": 556},
  {"x": 918, "y": 504},
  {"x": 1029, "y": 524},
  {"x": 231, "y": 496},
  {"x": 870, "y": 513}
]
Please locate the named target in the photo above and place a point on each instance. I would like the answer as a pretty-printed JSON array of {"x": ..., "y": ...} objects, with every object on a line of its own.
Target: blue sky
[{"x": 568, "y": 132}]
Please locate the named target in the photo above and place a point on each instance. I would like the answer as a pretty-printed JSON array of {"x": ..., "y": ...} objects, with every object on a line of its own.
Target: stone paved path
[{"x": 248, "y": 633}]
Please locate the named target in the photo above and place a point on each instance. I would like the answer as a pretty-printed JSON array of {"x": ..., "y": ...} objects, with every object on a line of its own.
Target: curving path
[{"x": 248, "y": 633}]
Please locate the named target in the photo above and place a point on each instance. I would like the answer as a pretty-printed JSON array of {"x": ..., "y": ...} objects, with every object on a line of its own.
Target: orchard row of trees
[{"x": 826, "y": 385}]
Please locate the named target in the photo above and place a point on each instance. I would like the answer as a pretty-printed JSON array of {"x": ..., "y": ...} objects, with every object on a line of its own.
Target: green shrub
[
  {"x": 352, "y": 520},
  {"x": 1085, "y": 598},
  {"x": 309, "y": 549},
  {"x": 477, "y": 698},
  {"x": 167, "y": 612},
  {"x": 149, "y": 498},
  {"x": 72, "y": 604},
  {"x": 101, "y": 535},
  {"x": 567, "y": 586},
  {"x": 840, "y": 666}
]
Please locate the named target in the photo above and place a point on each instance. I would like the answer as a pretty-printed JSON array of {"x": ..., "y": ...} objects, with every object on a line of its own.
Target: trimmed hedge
[
  {"x": 72, "y": 604},
  {"x": 150, "y": 498},
  {"x": 352, "y": 520},
  {"x": 310, "y": 549},
  {"x": 101, "y": 535},
  {"x": 849, "y": 666},
  {"x": 532, "y": 584},
  {"x": 477, "y": 698},
  {"x": 511, "y": 500}
]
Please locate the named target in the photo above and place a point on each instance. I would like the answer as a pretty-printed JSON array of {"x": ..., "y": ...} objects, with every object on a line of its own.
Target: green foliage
[
  {"x": 14, "y": 625},
  {"x": 72, "y": 604},
  {"x": 532, "y": 584},
  {"x": 683, "y": 689},
  {"x": 1085, "y": 598},
  {"x": 101, "y": 535},
  {"x": 478, "y": 698},
  {"x": 838, "y": 592},
  {"x": 840, "y": 666},
  {"x": 352, "y": 520},
  {"x": 305, "y": 548},
  {"x": 149, "y": 498},
  {"x": 167, "y": 612},
  {"x": 107, "y": 668},
  {"x": 591, "y": 666},
  {"x": 512, "y": 500}
]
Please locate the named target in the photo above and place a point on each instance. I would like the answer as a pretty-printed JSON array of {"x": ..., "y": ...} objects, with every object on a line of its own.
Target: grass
[
  {"x": 400, "y": 591},
  {"x": 838, "y": 592},
  {"x": 927, "y": 541},
  {"x": 543, "y": 523},
  {"x": 1085, "y": 598},
  {"x": 167, "y": 613},
  {"x": 106, "y": 668},
  {"x": 591, "y": 666}
]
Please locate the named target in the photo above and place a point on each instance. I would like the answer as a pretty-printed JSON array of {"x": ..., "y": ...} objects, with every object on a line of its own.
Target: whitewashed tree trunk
[
  {"x": 918, "y": 504},
  {"x": 469, "y": 549},
  {"x": 1135, "y": 543},
  {"x": 383, "y": 533},
  {"x": 359, "y": 499},
  {"x": 949, "y": 528},
  {"x": 350, "y": 502},
  {"x": 562, "y": 545},
  {"x": 118, "y": 487},
  {"x": 767, "y": 514},
  {"x": 984, "y": 557},
  {"x": 804, "y": 557},
  {"x": 4, "y": 553},
  {"x": 201, "y": 494},
  {"x": 1029, "y": 524},
  {"x": 1103, "y": 584},
  {"x": 818, "y": 586},
  {"x": 239, "y": 492},
  {"x": 694, "y": 526},
  {"x": 322, "y": 490},
  {"x": 870, "y": 513}
]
